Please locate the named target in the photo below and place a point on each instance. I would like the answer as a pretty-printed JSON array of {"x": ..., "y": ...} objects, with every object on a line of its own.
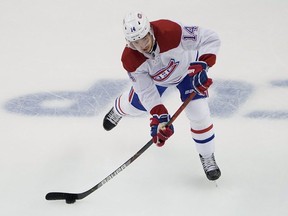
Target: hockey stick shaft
[{"x": 63, "y": 195}]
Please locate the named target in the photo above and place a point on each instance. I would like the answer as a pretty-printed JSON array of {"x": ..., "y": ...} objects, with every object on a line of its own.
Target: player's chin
[
  {"x": 147, "y": 49},
  {"x": 144, "y": 50}
]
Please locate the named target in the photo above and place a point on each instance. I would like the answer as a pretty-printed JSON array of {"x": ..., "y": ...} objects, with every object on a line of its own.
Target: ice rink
[{"x": 60, "y": 71}]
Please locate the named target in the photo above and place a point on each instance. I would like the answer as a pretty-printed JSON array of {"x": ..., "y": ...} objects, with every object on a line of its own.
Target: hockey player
[{"x": 160, "y": 54}]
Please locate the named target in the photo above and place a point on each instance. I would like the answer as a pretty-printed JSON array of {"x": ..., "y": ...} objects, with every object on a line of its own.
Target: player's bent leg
[
  {"x": 202, "y": 132},
  {"x": 125, "y": 104}
]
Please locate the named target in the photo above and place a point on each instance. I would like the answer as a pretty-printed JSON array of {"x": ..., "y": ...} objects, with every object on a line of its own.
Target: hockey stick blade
[
  {"x": 61, "y": 196},
  {"x": 72, "y": 197}
]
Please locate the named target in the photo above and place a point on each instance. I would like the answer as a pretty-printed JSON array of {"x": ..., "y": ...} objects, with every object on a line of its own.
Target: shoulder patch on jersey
[
  {"x": 132, "y": 59},
  {"x": 167, "y": 34}
]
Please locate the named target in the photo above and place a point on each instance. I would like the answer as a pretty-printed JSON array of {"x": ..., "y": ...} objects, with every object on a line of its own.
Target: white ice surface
[{"x": 58, "y": 47}]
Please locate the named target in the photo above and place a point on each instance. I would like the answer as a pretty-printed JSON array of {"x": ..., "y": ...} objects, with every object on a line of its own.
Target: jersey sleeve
[
  {"x": 145, "y": 88},
  {"x": 206, "y": 41}
]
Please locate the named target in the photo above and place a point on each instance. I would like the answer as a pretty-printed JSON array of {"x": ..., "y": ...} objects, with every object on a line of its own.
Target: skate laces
[
  {"x": 113, "y": 117},
  {"x": 209, "y": 163}
]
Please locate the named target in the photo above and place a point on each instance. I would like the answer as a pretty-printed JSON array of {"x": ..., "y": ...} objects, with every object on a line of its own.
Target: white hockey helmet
[{"x": 135, "y": 26}]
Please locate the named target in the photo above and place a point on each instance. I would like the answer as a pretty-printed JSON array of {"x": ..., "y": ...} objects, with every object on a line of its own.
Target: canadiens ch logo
[{"x": 166, "y": 72}]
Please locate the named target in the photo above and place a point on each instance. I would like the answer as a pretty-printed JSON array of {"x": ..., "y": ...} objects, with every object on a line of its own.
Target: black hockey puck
[{"x": 70, "y": 200}]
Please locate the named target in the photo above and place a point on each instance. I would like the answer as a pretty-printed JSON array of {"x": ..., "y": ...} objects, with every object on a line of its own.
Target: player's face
[{"x": 145, "y": 44}]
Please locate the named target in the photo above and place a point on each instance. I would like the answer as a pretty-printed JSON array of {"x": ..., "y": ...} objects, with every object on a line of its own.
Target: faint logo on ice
[
  {"x": 68, "y": 103},
  {"x": 275, "y": 113},
  {"x": 228, "y": 98}
]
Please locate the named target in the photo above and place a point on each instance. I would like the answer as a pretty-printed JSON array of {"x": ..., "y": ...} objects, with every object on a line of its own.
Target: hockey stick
[{"x": 72, "y": 197}]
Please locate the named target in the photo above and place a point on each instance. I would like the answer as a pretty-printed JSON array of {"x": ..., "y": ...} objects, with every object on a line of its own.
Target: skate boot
[
  {"x": 210, "y": 167},
  {"x": 111, "y": 119}
]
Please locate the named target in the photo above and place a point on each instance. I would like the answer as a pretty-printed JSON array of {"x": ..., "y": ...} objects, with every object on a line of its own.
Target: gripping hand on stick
[
  {"x": 159, "y": 131},
  {"x": 200, "y": 81}
]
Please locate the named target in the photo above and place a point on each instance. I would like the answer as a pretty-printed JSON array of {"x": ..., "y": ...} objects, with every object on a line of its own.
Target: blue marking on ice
[
  {"x": 82, "y": 103},
  {"x": 268, "y": 114},
  {"x": 228, "y": 98},
  {"x": 230, "y": 95},
  {"x": 280, "y": 83}
]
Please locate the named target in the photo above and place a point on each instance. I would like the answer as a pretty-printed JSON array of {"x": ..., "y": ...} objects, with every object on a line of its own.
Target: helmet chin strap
[{"x": 153, "y": 48}]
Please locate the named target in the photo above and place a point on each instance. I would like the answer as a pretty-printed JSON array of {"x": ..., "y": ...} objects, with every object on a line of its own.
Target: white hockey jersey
[{"x": 176, "y": 47}]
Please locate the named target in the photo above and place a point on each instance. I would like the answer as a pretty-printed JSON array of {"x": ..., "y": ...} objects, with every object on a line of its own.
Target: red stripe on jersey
[
  {"x": 167, "y": 34},
  {"x": 210, "y": 59},
  {"x": 202, "y": 131},
  {"x": 132, "y": 59},
  {"x": 131, "y": 93}
]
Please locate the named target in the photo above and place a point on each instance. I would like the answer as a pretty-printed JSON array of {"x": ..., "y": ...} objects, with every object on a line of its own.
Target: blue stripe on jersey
[{"x": 136, "y": 102}]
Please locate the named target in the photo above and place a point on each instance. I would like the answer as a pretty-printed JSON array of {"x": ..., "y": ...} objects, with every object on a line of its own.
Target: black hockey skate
[
  {"x": 210, "y": 167},
  {"x": 111, "y": 119}
]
